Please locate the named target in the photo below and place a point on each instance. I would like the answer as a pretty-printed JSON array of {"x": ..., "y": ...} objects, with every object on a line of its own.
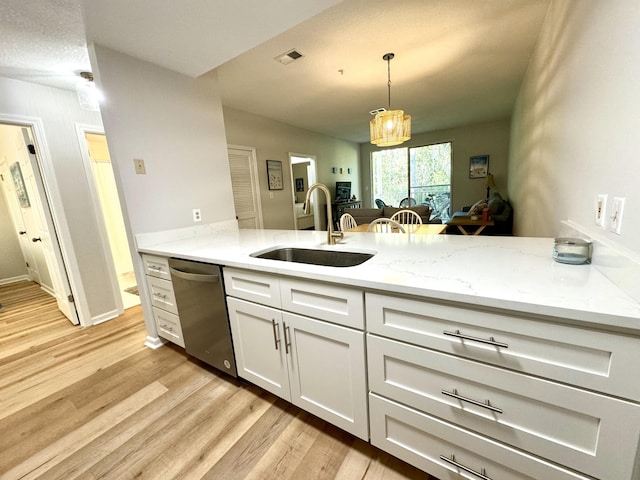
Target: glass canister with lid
[{"x": 575, "y": 251}]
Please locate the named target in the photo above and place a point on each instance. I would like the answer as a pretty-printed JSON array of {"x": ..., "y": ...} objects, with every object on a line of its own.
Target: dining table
[{"x": 421, "y": 228}]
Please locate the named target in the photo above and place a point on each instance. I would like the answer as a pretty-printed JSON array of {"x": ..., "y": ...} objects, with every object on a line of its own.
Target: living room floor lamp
[
  {"x": 489, "y": 183},
  {"x": 390, "y": 127}
]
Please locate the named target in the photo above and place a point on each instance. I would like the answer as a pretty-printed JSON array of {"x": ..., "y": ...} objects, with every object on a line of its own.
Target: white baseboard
[
  {"x": 20, "y": 278},
  {"x": 104, "y": 317}
]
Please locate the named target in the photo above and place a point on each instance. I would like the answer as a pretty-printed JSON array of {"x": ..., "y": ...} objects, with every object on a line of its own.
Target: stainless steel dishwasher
[{"x": 203, "y": 313}]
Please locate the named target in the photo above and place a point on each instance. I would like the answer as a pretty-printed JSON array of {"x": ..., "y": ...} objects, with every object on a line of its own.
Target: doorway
[
  {"x": 27, "y": 229},
  {"x": 112, "y": 228},
  {"x": 303, "y": 175}
]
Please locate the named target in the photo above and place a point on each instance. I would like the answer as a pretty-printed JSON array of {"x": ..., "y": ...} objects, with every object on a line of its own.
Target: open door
[{"x": 45, "y": 230}]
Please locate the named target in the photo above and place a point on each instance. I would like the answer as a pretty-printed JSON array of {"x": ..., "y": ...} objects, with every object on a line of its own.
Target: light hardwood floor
[{"x": 96, "y": 403}]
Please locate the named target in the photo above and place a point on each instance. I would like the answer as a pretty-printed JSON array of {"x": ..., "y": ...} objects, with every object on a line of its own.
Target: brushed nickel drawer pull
[
  {"x": 491, "y": 340},
  {"x": 276, "y": 340},
  {"x": 287, "y": 343},
  {"x": 452, "y": 461},
  {"x": 486, "y": 404}
]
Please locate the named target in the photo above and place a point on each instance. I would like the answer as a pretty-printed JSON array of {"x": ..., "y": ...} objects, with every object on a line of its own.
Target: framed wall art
[
  {"x": 18, "y": 182},
  {"x": 274, "y": 174},
  {"x": 299, "y": 184},
  {"x": 478, "y": 166}
]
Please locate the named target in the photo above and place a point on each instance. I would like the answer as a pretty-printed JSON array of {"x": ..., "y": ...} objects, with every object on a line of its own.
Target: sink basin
[{"x": 329, "y": 258}]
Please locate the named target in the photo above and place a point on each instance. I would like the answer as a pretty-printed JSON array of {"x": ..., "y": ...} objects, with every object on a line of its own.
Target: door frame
[
  {"x": 81, "y": 129},
  {"x": 317, "y": 219},
  {"x": 70, "y": 273}
]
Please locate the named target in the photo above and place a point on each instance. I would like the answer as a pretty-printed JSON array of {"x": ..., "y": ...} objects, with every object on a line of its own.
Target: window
[{"x": 410, "y": 176}]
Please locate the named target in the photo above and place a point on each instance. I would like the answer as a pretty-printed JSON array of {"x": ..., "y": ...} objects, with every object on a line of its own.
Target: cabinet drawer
[
  {"x": 156, "y": 266},
  {"x": 333, "y": 303},
  {"x": 421, "y": 440},
  {"x": 592, "y": 359},
  {"x": 579, "y": 429},
  {"x": 168, "y": 326},
  {"x": 162, "y": 295},
  {"x": 252, "y": 286}
]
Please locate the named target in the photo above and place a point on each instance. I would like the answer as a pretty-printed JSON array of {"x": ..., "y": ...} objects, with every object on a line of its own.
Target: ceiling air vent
[{"x": 288, "y": 57}]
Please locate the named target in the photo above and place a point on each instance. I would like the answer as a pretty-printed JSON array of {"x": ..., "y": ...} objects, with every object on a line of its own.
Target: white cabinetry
[
  {"x": 163, "y": 300},
  {"x": 454, "y": 389},
  {"x": 317, "y": 365}
]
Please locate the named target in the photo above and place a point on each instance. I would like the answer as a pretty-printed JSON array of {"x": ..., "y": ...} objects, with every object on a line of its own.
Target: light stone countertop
[{"x": 513, "y": 273}]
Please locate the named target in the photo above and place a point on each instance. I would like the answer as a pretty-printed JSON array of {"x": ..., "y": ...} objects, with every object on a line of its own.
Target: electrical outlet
[
  {"x": 138, "y": 164},
  {"x": 601, "y": 209},
  {"x": 197, "y": 216},
  {"x": 617, "y": 207}
]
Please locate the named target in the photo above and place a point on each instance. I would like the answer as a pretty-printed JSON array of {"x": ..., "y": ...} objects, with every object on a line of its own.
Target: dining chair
[
  {"x": 408, "y": 218},
  {"x": 347, "y": 221},
  {"x": 385, "y": 225}
]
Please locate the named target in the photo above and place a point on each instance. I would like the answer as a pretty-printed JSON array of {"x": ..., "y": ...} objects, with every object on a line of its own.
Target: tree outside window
[{"x": 410, "y": 176}]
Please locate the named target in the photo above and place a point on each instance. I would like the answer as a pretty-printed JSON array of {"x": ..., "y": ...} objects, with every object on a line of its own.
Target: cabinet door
[
  {"x": 327, "y": 372},
  {"x": 259, "y": 347}
]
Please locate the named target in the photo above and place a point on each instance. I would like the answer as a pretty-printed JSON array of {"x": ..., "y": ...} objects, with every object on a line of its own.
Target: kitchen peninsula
[{"x": 483, "y": 353}]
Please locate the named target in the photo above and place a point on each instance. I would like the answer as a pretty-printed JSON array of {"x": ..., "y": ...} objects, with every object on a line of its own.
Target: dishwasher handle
[{"x": 195, "y": 277}]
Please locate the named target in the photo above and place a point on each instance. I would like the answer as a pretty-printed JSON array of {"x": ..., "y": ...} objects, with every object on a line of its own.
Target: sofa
[
  {"x": 368, "y": 215},
  {"x": 500, "y": 211}
]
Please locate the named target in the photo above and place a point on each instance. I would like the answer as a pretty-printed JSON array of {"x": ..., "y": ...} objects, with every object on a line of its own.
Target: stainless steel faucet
[{"x": 331, "y": 235}]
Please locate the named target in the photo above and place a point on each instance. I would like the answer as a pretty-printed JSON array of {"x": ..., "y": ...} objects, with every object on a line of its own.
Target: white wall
[
  {"x": 174, "y": 123},
  {"x": 489, "y": 138},
  {"x": 59, "y": 111},
  {"x": 274, "y": 141},
  {"x": 575, "y": 126}
]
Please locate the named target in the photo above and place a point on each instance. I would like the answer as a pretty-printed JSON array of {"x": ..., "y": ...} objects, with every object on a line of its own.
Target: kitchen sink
[{"x": 329, "y": 258}]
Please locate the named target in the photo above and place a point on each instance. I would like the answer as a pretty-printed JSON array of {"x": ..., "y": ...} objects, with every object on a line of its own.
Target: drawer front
[
  {"x": 587, "y": 358},
  {"x": 579, "y": 429},
  {"x": 168, "y": 325},
  {"x": 421, "y": 440},
  {"x": 156, "y": 266},
  {"x": 252, "y": 286},
  {"x": 333, "y": 303},
  {"x": 162, "y": 295}
]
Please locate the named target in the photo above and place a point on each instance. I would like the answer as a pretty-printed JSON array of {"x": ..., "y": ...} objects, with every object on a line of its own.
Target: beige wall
[
  {"x": 490, "y": 138},
  {"x": 274, "y": 141},
  {"x": 575, "y": 126}
]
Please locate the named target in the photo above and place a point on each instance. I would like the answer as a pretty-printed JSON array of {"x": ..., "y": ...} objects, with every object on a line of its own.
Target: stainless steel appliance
[{"x": 203, "y": 313}]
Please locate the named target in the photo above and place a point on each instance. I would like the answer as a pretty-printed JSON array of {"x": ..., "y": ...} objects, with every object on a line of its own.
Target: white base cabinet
[
  {"x": 163, "y": 300},
  {"x": 317, "y": 365}
]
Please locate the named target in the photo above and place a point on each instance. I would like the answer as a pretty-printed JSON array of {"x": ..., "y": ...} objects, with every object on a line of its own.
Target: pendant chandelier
[{"x": 390, "y": 127}]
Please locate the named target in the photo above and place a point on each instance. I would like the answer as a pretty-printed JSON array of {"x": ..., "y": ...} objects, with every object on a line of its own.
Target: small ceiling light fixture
[
  {"x": 390, "y": 127},
  {"x": 88, "y": 95}
]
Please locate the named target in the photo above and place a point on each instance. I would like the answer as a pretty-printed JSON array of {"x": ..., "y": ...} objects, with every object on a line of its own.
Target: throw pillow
[{"x": 476, "y": 208}]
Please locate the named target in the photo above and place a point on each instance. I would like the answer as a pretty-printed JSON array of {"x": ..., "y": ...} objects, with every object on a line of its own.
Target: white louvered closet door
[{"x": 246, "y": 190}]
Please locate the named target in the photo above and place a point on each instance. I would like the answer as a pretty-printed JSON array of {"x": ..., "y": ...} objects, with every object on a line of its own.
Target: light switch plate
[{"x": 617, "y": 208}]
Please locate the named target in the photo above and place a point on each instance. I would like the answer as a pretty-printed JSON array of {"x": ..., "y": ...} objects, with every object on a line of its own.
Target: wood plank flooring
[{"x": 95, "y": 403}]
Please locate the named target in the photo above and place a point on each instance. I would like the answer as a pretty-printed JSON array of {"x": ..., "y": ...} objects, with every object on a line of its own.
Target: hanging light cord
[{"x": 388, "y": 57}]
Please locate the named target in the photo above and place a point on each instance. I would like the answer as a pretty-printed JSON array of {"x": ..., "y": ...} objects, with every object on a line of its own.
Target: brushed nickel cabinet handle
[
  {"x": 287, "y": 343},
  {"x": 490, "y": 341},
  {"x": 452, "y": 461},
  {"x": 276, "y": 340},
  {"x": 486, "y": 404}
]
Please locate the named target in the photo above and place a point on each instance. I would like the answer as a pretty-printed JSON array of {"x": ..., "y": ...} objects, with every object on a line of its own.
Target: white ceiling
[{"x": 457, "y": 61}]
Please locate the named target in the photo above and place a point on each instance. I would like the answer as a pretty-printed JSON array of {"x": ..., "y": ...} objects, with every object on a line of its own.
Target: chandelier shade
[{"x": 390, "y": 127}]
